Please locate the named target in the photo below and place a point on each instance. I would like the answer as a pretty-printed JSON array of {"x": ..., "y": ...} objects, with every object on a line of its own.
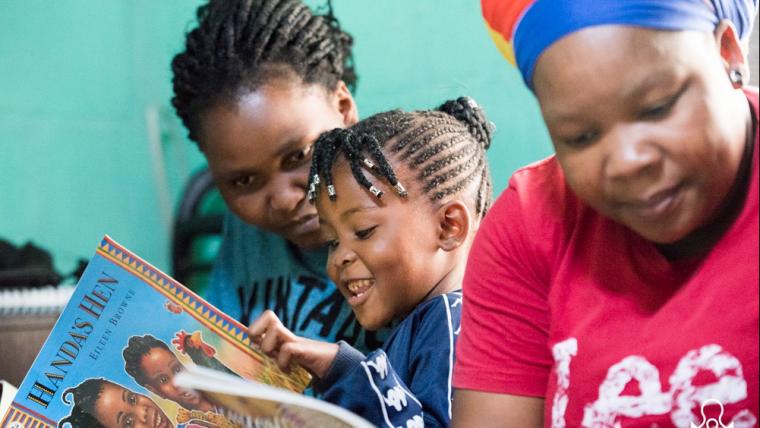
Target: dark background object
[
  {"x": 26, "y": 266},
  {"x": 197, "y": 231}
]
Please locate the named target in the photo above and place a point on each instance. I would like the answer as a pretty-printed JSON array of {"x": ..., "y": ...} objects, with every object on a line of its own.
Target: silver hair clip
[
  {"x": 400, "y": 190},
  {"x": 331, "y": 192},
  {"x": 312, "y": 192},
  {"x": 315, "y": 179},
  {"x": 375, "y": 191},
  {"x": 368, "y": 163}
]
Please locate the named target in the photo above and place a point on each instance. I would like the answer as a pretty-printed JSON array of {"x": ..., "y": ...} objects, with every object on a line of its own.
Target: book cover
[{"x": 126, "y": 331}]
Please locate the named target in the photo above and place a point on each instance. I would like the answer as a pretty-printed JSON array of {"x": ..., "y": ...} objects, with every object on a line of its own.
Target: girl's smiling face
[
  {"x": 119, "y": 407},
  {"x": 384, "y": 253}
]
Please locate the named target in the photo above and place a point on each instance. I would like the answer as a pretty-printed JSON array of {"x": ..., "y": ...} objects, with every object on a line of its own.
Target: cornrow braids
[
  {"x": 84, "y": 396},
  {"x": 446, "y": 149},
  {"x": 239, "y": 45}
]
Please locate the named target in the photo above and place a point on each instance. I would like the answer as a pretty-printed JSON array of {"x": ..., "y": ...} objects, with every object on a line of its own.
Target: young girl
[
  {"x": 399, "y": 196},
  {"x": 258, "y": 81},
  {"x": 616, "y": 283}
]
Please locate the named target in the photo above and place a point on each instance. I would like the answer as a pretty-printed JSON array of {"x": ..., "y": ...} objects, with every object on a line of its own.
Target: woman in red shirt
[{"x": 616, "y": 283}]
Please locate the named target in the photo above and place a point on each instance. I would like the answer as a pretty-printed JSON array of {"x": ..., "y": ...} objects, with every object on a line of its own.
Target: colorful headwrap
[{"x": 523, "y": 29}]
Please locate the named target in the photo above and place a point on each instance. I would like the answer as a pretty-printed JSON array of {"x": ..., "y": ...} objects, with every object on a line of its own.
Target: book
[
  {"x": 125, "y": 332},
  {"x": 7, "y": 392},
  {"x": 264, "y": 405}
]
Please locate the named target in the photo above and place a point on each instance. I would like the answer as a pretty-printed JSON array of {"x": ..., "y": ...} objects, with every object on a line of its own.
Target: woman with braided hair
[
  {"x": 400, "y": 196},
  {"x": 615, "y": 284},
  {"x": 257, "y": 82}
]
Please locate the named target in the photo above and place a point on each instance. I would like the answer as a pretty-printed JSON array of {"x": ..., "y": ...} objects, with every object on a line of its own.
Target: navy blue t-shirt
[{"x": 407, "y": 383}]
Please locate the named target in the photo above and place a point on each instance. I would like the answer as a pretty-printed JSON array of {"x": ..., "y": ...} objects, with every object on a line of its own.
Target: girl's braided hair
[
  {"x": 446, "y": 147},
  {"x": 240, "y": 45},
  {"x": 84, "y": 396}
]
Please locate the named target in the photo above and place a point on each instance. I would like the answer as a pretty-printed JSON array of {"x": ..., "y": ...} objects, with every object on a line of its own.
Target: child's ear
[{"x": 453, "y": 225}]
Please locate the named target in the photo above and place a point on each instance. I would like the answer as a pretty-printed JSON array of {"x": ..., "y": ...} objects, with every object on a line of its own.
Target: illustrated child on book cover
[
  {"x": 153, "y": 365},
  {"x": 101, "y": 403}
]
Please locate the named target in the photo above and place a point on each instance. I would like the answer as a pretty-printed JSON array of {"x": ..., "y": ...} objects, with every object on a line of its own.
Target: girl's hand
[{"x": 278, "y": 342}]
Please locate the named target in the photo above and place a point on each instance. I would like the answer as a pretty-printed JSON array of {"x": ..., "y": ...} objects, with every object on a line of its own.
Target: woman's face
[
  {"x": 120, "y": 407},
  {"x": 645, "y": 125},
  {"x": 259, "y": 152}
]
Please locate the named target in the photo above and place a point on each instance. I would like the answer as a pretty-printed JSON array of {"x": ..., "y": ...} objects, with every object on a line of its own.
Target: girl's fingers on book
[
  {"x": 270, "y": 344},
  {"x": 261, "y": 324},
  {"x": 269, "y": 333},
  {"x": 313, "y": 355},
  {"x": 284, "y": 356}
]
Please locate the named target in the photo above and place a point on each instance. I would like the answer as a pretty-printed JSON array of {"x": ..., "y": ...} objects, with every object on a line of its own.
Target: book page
[{"x": 258, "y": 405}]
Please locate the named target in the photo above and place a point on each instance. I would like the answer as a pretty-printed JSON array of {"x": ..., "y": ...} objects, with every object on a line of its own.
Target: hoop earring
[{"x": 737, "y": 78}]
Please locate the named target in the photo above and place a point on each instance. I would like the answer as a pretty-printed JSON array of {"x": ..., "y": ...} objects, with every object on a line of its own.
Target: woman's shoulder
[
  {"x": 536, "y": 201},
  {"x": 541, "y": 183}
]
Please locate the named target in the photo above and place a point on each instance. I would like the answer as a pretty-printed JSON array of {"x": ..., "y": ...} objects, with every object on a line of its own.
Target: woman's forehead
[{"x": 615, "y": 57}]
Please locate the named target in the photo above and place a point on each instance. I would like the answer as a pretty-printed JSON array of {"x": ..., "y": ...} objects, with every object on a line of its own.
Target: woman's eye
[
  {"x": 662, "y": 109},
  {"x": 244, "y": 181},
  {"x": 365, "y": 233},
  {"x": 332, "y": 244},
  {"x": 581, "y": 140},
  {"x": 657, "y": 112},
  {"x": 297, "y": 158}
]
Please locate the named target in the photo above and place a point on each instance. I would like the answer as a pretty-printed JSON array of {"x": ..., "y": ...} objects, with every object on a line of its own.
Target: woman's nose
[
  {"x": 631, "y": 154},
  {"x": 285, "y": 196}
]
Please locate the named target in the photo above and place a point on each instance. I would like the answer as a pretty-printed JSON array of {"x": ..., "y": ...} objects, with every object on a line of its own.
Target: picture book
[
  {"x": 261, "y": 405},
  {"x": 126, "y": 331}
]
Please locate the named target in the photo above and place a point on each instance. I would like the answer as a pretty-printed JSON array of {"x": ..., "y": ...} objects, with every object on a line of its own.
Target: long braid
[
  {"x": 444, "y": 147},
  {"x": 242, "y": 44}
]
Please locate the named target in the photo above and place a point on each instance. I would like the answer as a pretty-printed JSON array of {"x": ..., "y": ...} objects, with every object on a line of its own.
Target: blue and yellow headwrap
[{"x": 523, "y": 29}]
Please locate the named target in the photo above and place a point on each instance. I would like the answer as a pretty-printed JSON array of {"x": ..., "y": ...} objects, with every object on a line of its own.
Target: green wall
[{"x": 90, "y": 144}]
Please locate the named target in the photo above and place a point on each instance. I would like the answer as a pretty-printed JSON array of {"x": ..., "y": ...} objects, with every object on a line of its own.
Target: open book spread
[
  {"x": 259, "y": 405},
  {"x": 126, "y": 331}
]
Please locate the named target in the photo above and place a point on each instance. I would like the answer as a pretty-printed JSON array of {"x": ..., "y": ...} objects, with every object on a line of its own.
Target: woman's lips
[
  {"x": 656, "y": 206},
  {"x": 304, "y": 225}
]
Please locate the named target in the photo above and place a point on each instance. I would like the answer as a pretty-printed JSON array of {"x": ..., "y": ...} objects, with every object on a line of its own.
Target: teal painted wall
[{"x": 85, "y": 88}]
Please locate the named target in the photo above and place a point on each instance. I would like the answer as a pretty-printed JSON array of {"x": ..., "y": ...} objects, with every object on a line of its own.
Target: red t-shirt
[{"x": 563, "y": 303}]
